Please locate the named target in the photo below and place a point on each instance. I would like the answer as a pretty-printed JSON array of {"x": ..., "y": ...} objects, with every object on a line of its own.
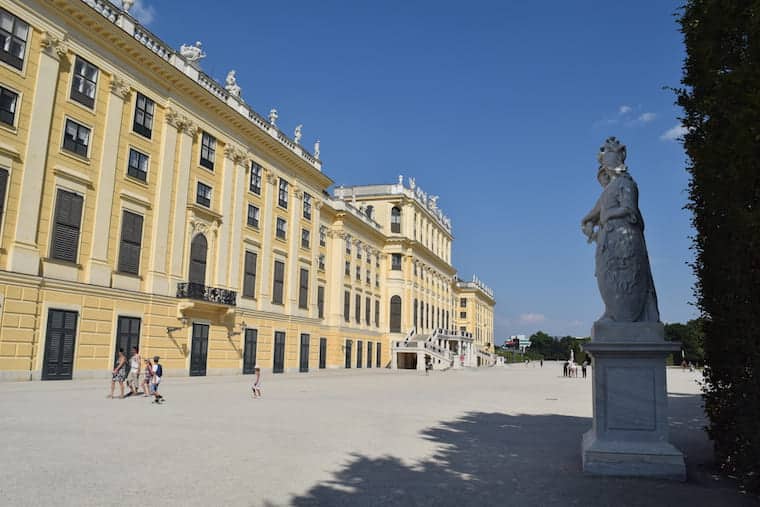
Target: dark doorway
[
  {"x": 395, "y": 315},
  {"x": 198, "y": 250},
  {"x": 369, "y": 354},
  {"x": 60, "y": 339},
  {"x": 359, "y": 354},
  {"x": 377, "y": 363},
  {"x": 304, "y": 363},
  {"x": 199, "y": 350},
  {"x": 279, "y": 352},
  {"x": 349, "y": 344},
  {"x": 249, "y": 350},
  {"x": 127, "y": 336},
  {"x": 322, "y": 353}
]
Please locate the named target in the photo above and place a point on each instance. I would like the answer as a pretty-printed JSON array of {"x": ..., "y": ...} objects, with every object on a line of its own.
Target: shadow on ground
[{"x": 499, "y": 459}]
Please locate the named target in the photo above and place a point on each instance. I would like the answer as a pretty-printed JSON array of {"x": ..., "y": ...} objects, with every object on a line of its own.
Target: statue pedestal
[{"x": 629, "y": 436}]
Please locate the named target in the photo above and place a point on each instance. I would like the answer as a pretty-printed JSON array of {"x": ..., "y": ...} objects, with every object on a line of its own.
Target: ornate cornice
[
  {"x": 120, "y": 87},
  {"x": 54, "y": 46}
]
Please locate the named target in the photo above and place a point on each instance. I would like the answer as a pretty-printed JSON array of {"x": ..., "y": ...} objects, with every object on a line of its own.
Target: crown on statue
[{"x": 612, "y": 154}]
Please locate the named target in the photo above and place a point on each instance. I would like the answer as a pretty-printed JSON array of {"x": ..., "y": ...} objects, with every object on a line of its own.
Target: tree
[
  {"x": 720, "y": 97},
  {"x": 691, "y": 337}
]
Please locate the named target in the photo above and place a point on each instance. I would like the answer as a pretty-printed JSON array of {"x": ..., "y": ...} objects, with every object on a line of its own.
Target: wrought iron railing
[{"x": 190, "y": 290}]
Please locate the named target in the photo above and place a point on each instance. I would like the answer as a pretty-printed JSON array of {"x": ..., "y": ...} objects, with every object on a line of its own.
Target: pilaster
[
  {"x": 238, "y": 211},
  {"x": 294, "y": 242},
  {"x": 267, "y": 260},
  {"x": 24, "y": 254},
  {"x": 233, "y": 157},
  {"x": 188, "y": 131}
]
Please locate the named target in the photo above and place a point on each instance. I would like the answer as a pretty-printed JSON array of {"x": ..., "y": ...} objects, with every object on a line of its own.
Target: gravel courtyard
[{"x": 498, "y": 436}]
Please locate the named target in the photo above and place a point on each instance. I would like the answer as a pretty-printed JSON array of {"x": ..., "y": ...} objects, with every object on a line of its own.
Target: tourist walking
[
  {"x": 133, "y": 378},
  {"x": 541, "y": 362},
  {"x": 565, "y": 369},
  {"x": 119, "y": 373},
  {"x": 155, "y": 380},
  {"x": 147, "y": 378},
  {"x": 583, "y": 367},
  {"x": 256, "y": 387}
]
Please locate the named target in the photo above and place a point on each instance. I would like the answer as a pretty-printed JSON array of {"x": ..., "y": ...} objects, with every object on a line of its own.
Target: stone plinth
[{"x": 629, "y": 436}]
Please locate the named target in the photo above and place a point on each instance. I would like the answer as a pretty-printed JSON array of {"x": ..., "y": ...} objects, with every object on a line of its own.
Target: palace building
[{"x": 144, "y": 203}]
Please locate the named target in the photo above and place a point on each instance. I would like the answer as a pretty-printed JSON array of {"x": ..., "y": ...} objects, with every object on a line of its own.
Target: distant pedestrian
[
  {"x": 133, "y": 378},
  {"x": 256, "y": 387},
  {"x": 428, "y": 365},
  {"x": 158, "y": 373},
  {"x": 565, "y": 369},
  {"x": 583, "y": 368},
  {"x": 147, "y": 378},
  {"x": 119, "y": 373},
  {"x": 541, "y": 362}
]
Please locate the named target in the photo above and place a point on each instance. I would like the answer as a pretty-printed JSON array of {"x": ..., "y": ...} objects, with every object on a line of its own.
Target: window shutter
[
  {"x": 321, "y": 301},
  {"x": 3, "y": 188},
  {"x": 279, "y": 279},
  {"x": 68, "y": 214},
  {"x": 131, "y": 239},
  {"x": 303, "y": 290},
  {"x": 249, "y": 278},
  {"x": 198, "y": 260}
]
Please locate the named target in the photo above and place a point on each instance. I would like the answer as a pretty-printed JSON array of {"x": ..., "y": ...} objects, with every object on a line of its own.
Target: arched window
[
  {"x": 198, "y": 249},
  {"x": 395, "y": 314},
  {"x": 395, "y": 219}
]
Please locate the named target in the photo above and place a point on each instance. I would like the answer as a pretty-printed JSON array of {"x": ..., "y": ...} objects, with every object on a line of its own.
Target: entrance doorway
[
  {"x": 304, "y": 363},
  {"x": 249, "y": 350},
  {"x": 127, "y": 336},
  {"x": 279, "y": 352},
  {"x": 60, "y": 339},
  {"x": 359, "y": 354},
  {"x": 199, "y": 350},
  {"x": 322, "y": 353},
  {"x": 369, "y": 354},
  {"x": 349, "y": 344}
]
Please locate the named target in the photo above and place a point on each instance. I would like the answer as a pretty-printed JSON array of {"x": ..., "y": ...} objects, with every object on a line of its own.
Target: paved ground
[{"x": 499, "y": 436}]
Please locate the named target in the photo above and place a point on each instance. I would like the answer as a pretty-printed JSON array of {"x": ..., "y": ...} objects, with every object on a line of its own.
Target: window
[
  {"x": 76, "y": 138},
  {"x": 303, "y": 289},
  {"x": 395, "y": 324},
  {"x": 282, "y": 195},
  {"x": 396, "y": 262},
  {"x": 144, "y": 110},
  {"x": 131, "y": 241},
  {"x": 348, "y": 268},
  {"x": 13, "y": 36},
  {"x": 66, "y": 225},
  {"x": 321, "y": 262},
  {"x": 462, "y": 315},
  {"x": 359, "y": 252},
  {"x": 377, "y": 280},
  {"x": 414, "y": 308},
  {"x": 322, "y": 236},
  {"x": 84, "y": 83},
  {"x": 348, "y": 246},
  {"x": 463, "y": 303},
  {"x": 281, "y": 224},
  {"x": 8, "y": 103},
  {"x": 253, "y": 216},
  {"x": 377, "y": 313},
  {"x": 208, "y": 150},
  {"x": 358, "y": 273},
  {"x": 255, "y": 184},
  {"x": 249, "y": 275},
  {"x": 395, "y": 220},
  {"x": 306, "y": 206},
  {"x": 203, "y": 195},
  {"x": 305, "y": 238},
  {"x": 321, "y": 302},
  {"x": 138, "y": 165},
  {"x": 3, "y": 188},
  {"x": 347, "y": 306},
  {"x": 367, "y": 310},
  {"x": 358, "y": 309},
  {"x": 279, "y": 282},
  {"x": 368, "y": 278}
]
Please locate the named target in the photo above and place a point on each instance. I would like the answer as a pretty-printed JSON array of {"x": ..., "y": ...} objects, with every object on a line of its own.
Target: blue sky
[{"x": 498, "y": 107}]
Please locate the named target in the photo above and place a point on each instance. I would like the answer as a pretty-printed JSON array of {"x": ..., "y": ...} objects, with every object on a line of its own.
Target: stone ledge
[
  {"x": 610, "y": 331},
  {"x": 656, "y": 460}
]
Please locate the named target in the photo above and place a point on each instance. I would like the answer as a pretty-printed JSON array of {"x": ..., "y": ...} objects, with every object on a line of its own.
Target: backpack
[{"x": 159, "y": 371}]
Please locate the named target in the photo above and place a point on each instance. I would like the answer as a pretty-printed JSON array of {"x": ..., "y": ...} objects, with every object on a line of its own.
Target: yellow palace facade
[{"x": 143, "y": 203}]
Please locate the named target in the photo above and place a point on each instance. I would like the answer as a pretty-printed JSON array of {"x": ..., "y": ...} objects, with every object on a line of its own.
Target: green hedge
[{"x": 720, "y": 96}]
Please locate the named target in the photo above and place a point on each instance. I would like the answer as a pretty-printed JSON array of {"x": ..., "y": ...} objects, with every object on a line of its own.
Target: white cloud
[
  {"x": 625, "y": 109},
  {"x": 144, "y": 14},
  {"x": 675, "y": 133},
  {"x": 532, "y": 318},
  {"x": 647, "y": 117}
]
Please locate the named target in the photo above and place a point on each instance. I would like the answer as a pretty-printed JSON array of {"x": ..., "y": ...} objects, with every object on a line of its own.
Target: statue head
[{"x": 612, "y": 155}]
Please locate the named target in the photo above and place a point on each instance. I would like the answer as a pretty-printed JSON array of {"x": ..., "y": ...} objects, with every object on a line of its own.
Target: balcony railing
[{"x": 190, "y": 290}]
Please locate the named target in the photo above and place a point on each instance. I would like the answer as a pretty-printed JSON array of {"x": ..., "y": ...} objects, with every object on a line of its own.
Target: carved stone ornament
[
  {"x": 120, "y": 87},
  {"x": 318, "y": 205},
  {"x": 316, "y": 149},
  {"x": 297, "y": 192},
  {"x": 235, "y": 153},
  {"x": 192, "y": 52},
  {"x": 181, "y": 122},
  {"x": 54, "y": 46},
  {"x": 270, "y": 176},
  {"x": 297, "y": 134}
]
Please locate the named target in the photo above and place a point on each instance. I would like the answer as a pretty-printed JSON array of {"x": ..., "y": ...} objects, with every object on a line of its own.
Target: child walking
[
  {"x": 256, "y": 387},
  {"x": 155, "y": 380},
  {"x": 146, "y": 384}
]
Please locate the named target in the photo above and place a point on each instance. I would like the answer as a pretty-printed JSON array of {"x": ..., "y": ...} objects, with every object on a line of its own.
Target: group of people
[
  {"x": 129, "y": 371},
  {"x": 570, "y": 369}
]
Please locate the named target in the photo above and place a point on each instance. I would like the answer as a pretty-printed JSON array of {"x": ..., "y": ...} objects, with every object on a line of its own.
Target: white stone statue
[
  {"x": 434, "y": 201},
  {"x": 297, "y": 134},
  {"x": 615, "y": 223},
  {"x": 401, "y": 180},
  {"x": 412, "y": 183},
  {"x": 192, "y": 53},
  {"x": 127, "y": 4},
  {"x": 232, "y": 87},
  {"x": 273, "y": 117},
  {"x": 316, "y": 149}
]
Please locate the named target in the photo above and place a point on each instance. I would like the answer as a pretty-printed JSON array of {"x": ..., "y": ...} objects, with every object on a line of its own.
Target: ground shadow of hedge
[{"x": 499, "y": 459}]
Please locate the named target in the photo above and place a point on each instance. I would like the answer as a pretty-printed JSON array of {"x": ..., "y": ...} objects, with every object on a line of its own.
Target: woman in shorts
[
  {"x": 147, "y": 377},
  {"x": 119, "y": 373}
]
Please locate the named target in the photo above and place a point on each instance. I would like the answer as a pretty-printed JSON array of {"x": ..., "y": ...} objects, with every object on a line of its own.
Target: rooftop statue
[
  {"x": 192, "y": 53},
  {"x": 127, "y": 4},
  {"x": 615, "y": 223},
  {"x": 316, "y": 149},
  {"x": 297, "y": 134},
  {"x": 231, "y": 84},
  {"x": 273, "y": 117}
]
